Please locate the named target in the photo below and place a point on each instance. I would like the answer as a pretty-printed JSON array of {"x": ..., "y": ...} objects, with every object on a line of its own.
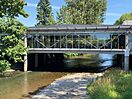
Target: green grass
[
  {"x": 115, "y": 84},
  {"x": 69, "y": 55}
]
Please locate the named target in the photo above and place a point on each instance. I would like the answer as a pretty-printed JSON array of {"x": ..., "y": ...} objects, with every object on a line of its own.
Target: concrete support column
[
  {"x": 36, "y": 60},
  {"x": 126, "y": 58},
  {"x": 126, "y": 61},
  {"x": 25, "y": 56},
  {"x": 25, "y": 63}
]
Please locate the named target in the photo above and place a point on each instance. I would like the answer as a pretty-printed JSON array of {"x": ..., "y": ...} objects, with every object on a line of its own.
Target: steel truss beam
[{"x": 64, "y": 38}]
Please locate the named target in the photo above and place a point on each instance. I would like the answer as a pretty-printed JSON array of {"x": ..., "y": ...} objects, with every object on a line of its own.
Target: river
[{"x": 23, "y": 85}]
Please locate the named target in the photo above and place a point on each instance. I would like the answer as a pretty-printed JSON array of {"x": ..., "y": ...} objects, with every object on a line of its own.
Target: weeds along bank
[
  {"x": 70, "y": 55},
  {"x": 114, "y": 84}
]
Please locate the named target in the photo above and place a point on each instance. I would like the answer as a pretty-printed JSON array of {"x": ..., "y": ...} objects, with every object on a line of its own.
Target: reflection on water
[
  {"x": 106, "y": 56},
  {"x": 107, "y": 59},
  {"x": 82, "y": 61},
  {"x": 21, "y": 86},
  {"x": 85, "y": 63}
]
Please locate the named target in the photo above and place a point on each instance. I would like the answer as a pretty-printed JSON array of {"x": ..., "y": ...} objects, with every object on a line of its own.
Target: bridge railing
[{"x": 77, "y": 40}]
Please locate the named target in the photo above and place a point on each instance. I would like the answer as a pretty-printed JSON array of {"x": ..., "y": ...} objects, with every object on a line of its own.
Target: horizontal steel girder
[{"x": 68, "y": 50}]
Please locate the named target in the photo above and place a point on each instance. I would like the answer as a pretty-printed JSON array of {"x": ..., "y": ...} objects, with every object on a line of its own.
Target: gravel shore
[{"x": 72, "y": 86}]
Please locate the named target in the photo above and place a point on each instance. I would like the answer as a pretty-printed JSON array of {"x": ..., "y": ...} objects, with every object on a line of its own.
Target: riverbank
[
  {"x": 72, "y": 86},
  {"x": 10, "y": 74},
  {"x": 115, "y": 84}
]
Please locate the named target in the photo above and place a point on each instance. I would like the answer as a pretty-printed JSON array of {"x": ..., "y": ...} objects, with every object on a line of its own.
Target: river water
[{"x": 25, "y": 84}]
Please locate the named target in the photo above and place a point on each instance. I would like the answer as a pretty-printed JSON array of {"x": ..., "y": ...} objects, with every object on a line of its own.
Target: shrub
[{"x": 4, "y": 65}]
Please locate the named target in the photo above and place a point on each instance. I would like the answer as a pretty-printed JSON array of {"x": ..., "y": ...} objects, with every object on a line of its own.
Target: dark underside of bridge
[{"x": 56, "y": 63}]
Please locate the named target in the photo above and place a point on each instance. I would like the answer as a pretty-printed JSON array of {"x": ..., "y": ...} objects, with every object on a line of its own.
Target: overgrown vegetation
[{"x": 115, "y": 84}]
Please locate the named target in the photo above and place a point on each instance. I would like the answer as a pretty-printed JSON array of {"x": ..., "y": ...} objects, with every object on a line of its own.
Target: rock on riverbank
[{"x": 72, "y": 86}]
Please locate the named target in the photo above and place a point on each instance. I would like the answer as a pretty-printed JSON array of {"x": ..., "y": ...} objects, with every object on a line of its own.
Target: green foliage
[
  {"x": 4, "y": 65},
  {"x": 70, "y": 54},
  {"x": 44, "y": 11},
  {"x": 82, "y": 12},
  {"x": 12, "y": 8},
  {"x": 127, "y": 16},
  {"x": 11, "y": 32},
  {"x": 115, "y": 84},
  {"x": 11, "y": 42}
]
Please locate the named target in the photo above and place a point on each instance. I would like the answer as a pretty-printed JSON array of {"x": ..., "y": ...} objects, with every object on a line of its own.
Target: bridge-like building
[{"x": 91, "y": 39}]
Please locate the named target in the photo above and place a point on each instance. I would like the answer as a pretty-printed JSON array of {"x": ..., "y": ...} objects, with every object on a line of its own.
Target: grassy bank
[
  {"x": 70, "y": 55},
  {"x": 115, "y": 84}
]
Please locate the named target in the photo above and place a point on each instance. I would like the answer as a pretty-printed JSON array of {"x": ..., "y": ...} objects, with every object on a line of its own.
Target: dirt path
[{"x": 68, "y": 87}]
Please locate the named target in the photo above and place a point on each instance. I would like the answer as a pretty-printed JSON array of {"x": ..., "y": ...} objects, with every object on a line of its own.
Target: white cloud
[{"x": 113, "y": 14}]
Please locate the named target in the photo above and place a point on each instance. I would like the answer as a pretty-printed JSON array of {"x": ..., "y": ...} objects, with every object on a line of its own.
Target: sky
[{"x": 115, "y": 8}]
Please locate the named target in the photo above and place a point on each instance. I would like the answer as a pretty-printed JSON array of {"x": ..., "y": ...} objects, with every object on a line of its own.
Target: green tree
[
  {"x": 11, "y": 42},
  {"x": 127, "y": 16},
  {"x": 44, "y": 11},
  {"x": 82, "y": 12},
  {"x": 11, "y": 33},
  {"x": 12, "y": 8}
]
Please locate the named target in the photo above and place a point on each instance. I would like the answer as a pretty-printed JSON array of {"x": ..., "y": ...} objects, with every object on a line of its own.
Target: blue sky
[{"x": 115, "y": 8}]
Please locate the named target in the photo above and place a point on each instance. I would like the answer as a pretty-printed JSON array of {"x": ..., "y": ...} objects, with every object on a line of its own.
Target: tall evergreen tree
[
  {"x": 82, "y": 12},
  {"x": 44, "y": 11}
]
